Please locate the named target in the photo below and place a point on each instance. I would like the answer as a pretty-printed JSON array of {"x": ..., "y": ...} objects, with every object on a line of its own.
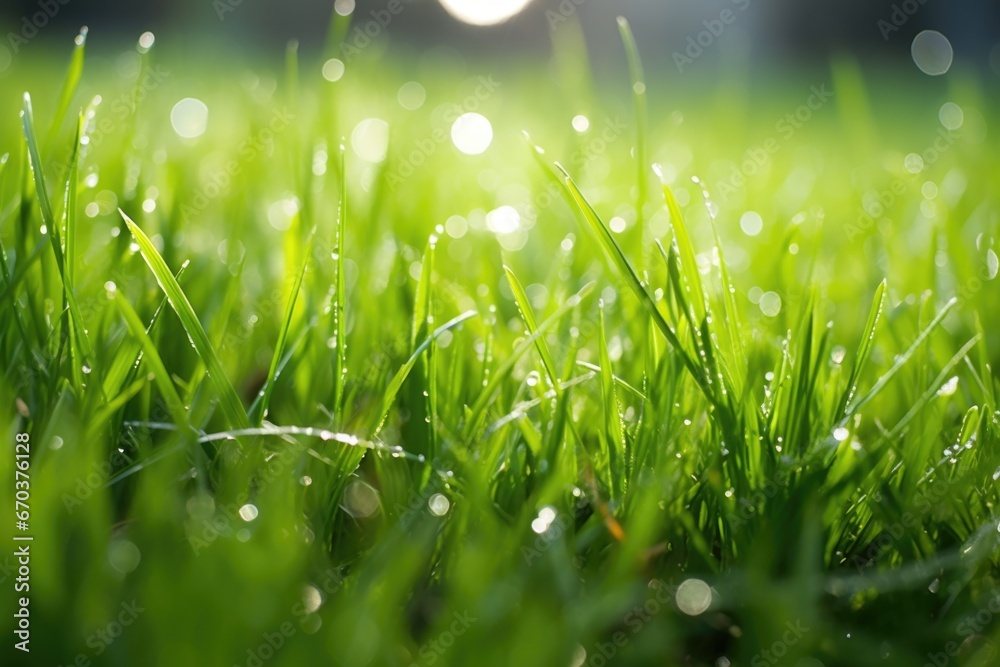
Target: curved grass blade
[
  {"x": 521, "y": 409},
  {"x": 20, "y": 272},
  {"x": 478, "y": 411},
  {"x": 736, "y": 368},
  {"x": 152, "y": 358},
  {"x": 528, "y": 316},
  {"x": 70, "y": 83},
  {"x": 339, "y": 318},
  {"x": 48, "y": 219},
  {"x": 685, "y": 250},
  {"x": 639, "y": 101},
  {"x": 308, "y": 431},
  {"x": 397, "y": 381},
  {"x": 864, "y": 349},
  {"x": 612, "y": 413},
  {"x": 124, "y": 365},
  {"x": 69, "y": 216},
  {"x": 423, "y": 320},
  {"x": 229, "y": 400},
  {"x": 619, "y": 381},
  {"x": 422, "y": 300},
  {"x": 9, "y": 281},
  {"x": 612, "y": 248},
  {"x": 932, "y": 390},
  {"x": 259, "y": 410},
  {"x": 900, "y": 361}
]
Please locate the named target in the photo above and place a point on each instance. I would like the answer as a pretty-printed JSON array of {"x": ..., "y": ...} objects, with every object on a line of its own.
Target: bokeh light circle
[
  {"x": 932, "y": 53},
  {"x": 333, "y": 69},
  {"x": 370, "y": 139},
  {"x": 484, "y": 12},
  {"x": 770, "y": 304},
  {"x": 189, "y": 118},
  {"x": 411, "y": 96},
  {"x": 694, "y": 597},
  {"x": 951, "y": 116},
  {"x": 472, "y": 133}
]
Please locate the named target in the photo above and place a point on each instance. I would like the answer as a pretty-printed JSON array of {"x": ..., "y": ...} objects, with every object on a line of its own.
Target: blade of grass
[
  {"x": 9, "y": 282},
  {"x": 528, "y": 317},
  {"x": 932, "y": 390},
  {"x": 423, "y": 320},
  {"x": 639, "y": 102},
  {"x": 45, "y": 205},
  {"x": 340, "y": 295},
  {"x": 736, "y": 366},
  {"x": 612, "y": 413},
  {"x": 900, "y": 362},
  {"x": 151, "y": 356},
  {"x": 477, "y": 413},
  {"x": 229, "y": 400},
  {"x": 864, "y": 349},
  {"x": 69, "y": 216},
  {"x": 124, "y": 366},
  {"x": 70, "y": 83},
  {"x": 259, "y": 410},
  {"x": 397, "y": 381},
  {"x": 685, "y": 249},
  {"x": 619, "y": 381},
  {"x": 611, "y": 247}
]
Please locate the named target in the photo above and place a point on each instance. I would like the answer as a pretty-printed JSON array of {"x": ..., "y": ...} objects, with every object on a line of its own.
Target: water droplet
[
  {"x": 438, "y": 504},
  {"x": 311, "y": 598},
  {"x": 992, "y": 264},
  {"x": 949, "y": 387}
]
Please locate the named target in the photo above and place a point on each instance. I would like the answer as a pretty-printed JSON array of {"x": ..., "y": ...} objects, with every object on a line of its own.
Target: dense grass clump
[{"x": 291, "y": 401}]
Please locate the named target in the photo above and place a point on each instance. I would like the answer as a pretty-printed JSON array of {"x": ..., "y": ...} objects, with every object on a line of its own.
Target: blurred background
[{"x": 761, "y": 32}]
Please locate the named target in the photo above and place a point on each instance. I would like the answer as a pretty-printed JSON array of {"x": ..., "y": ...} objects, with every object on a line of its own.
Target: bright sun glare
[{"x": 484, "y": 12}]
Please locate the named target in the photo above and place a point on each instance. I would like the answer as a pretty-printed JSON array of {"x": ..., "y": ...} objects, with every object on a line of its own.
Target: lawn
[{"x": 423, "y": 360}]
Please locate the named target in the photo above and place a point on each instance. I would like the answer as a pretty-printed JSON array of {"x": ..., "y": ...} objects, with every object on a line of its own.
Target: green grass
[{"x": 312, "y": 401}]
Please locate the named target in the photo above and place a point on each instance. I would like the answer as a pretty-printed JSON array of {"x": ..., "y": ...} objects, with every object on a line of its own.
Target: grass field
[{"x": 315, "y": 387}]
